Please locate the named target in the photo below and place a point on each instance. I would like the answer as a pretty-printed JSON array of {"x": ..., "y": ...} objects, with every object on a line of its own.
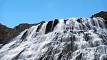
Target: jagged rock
[
  {"x": 49, "y": 27},
  {"x": 79, "y": 20},
  {"x": 102, "y": 14},
  {"x": 41, "y": 23},
  {"x": 75, "y": 44},
  {"x": 8, "y": 33},
  {"x": 55, "y": 23},
  {"x": 65, "y": 21}
]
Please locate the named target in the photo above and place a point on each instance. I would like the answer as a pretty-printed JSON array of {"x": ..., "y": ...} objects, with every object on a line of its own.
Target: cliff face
[
  {"x": 102, "y": 14},
  {"x": 4, "y": 33},
  {"x": 60, "y": 39},
  {"x": 8, "y": 33}
]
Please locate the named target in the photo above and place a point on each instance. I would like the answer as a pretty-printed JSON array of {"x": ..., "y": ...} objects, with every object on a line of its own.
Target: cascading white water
[{"x": 70, "y": 39}]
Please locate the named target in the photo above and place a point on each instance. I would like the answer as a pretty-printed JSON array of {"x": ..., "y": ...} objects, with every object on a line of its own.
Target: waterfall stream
[{"x": 63, "y": 39}]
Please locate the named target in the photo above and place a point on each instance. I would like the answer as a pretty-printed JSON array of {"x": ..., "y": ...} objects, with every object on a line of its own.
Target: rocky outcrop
[
  {"x": 4, "y": 33},
  {"x": 22, "y": 27},
  {"x": 8, "y": 33},
  {"x": 50, "y": 26},
  {"x": 57, "y": 40},
  {"x": 102, "y": 14}
]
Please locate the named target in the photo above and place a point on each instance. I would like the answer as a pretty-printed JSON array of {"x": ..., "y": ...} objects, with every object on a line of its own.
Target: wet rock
[
  {"x": 49, "y": 27},
  {"x": 86, "y": 37},
  {"x": 79, "y": 57},
  {"x": 60, "y": 56},
  {"x": 7, "y": 34},
  {"x": 24, "y": 35},
  {"x": 88, "y": 26},
  {"x": 102, "y": 14},
  {"x": 41, "y": 23},
  {"x": 65, "y": 21},
  {"x": 55, "y": 23},
  {"x": 17, "y": 56},
  {"x": 79, "y": 20}
]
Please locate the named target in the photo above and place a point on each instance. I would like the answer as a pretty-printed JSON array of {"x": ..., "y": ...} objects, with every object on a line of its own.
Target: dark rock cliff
[
  {"x": 102, "y": 14},
  {"x": 7, "y": 33}
]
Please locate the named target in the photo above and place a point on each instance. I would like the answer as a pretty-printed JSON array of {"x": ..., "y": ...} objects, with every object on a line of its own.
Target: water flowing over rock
[{"x": 63, "y": 39}]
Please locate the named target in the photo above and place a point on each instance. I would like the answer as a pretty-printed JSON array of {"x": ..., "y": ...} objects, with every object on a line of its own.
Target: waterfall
[{"x": 63, "y": 39}]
